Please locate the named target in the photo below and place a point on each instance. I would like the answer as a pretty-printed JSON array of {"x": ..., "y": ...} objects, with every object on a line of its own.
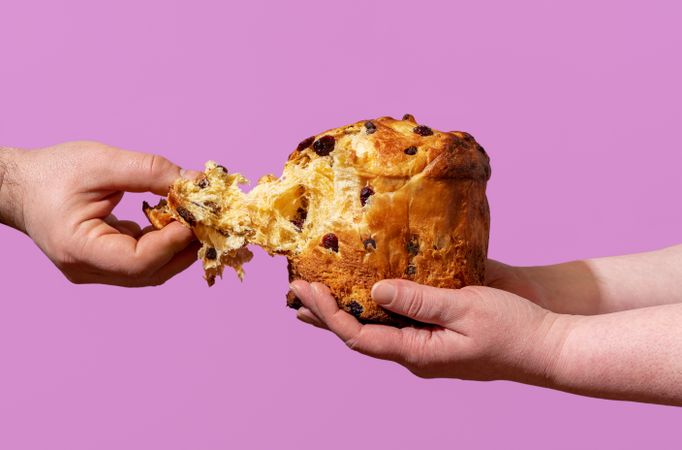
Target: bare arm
[
  {"x": 9, "y": 202},
  {"x": 630, "y": 355},
  {"x": 596, "y": 286}
]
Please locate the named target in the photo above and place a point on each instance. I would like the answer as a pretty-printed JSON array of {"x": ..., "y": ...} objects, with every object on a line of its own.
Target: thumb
[{"x": 422, "y": 303}]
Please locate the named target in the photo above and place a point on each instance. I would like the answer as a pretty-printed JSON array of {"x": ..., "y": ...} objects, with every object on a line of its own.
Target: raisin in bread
[{"x": 376, "y": 199}]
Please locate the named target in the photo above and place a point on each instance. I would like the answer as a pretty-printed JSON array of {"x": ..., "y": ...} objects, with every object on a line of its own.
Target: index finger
[
  {"x": 124, "y": 170},
  {"x": 378, "y": 341}
]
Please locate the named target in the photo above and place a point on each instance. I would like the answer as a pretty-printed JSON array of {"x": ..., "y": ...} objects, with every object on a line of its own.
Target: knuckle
[
  {"x": 413, "y": 354},
  {"x": 352, "y": 344},
  {"x": 155, "y": 163},
  {"x": 355, "y": 342},
  {"x": 473, "y": 295},
  {"x": 415, "y": 303},
  {"x": 83, "y": 143},
  {"x": 476, "y": 292},
  {"x": 88, "y": 146}
]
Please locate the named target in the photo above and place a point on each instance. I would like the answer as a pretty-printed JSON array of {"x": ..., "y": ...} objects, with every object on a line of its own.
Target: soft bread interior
[{"x": 282, "y": 215}]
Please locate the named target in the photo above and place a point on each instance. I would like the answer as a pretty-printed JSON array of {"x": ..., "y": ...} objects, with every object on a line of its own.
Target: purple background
[{"x": 578, "y": 105}]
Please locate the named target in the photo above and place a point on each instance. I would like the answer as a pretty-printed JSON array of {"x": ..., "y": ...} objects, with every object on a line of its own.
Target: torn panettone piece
[{"x": 373, "y": 200}]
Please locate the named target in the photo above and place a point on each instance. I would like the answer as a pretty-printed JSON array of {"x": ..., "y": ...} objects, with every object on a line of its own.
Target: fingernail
[
  {"x": 189, "y": 174},
  {"x": 305, "y": 319},
  {"x": 309, "y": 320},
  {"x": 383, "y": 292},
  {"x": 293, "y": 289}
]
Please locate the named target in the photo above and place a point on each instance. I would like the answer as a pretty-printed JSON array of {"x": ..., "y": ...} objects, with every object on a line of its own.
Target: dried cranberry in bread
[{"x": 376, "y": 199}]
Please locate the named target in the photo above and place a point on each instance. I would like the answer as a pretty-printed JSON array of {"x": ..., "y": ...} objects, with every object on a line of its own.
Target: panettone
[{"x": 376, "y": 199}]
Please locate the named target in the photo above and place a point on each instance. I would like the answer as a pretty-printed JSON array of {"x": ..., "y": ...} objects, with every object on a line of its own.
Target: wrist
[
  {"x": 11, "y": 209},
  {"x": 545, "y": 354}
]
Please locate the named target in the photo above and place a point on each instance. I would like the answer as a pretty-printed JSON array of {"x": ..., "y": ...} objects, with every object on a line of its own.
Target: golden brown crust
[
  {"x": 401, "y": 199},
  {"x": 159, "y": 216},
  {"x": 434, "y": 231}
]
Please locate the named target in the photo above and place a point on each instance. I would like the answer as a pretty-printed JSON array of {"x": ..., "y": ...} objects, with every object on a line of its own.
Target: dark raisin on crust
[
  {"x": 365, "y": 193},
  {"x": 299, "y": 219},
  {"x": 370, "y": 244},
  {"x": 186, "y": 215},
  {"x": 203, "y": 183},
  {"x": 331, "y": 242},
  {"x": 213, "y": 206},
  {"x": 412, "y": 246},
  {"x": 305, "y": 143},
  {"x": 423, "y": 130},
  {"x": 223, "y": 168},
  {"x": 211, "y": 253},
  {"x": 411, "y": 150},
  {"x": 355, "y": 308},
  {"x": 211, "y": 280},
  {"x": 481, "y": 149},
  {"x": 324, "y": 145},
  {"x": 409, "y": 117},
  {"x": 410, "y": 270},
  {"x": 370, "y": 128}
]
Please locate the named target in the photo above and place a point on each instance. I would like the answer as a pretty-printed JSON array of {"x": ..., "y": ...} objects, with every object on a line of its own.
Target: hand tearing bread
[{"x": 357, "y": 204}]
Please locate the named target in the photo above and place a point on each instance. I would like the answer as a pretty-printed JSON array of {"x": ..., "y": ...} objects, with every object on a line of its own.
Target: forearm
[
  {"x": 631, "y": 355},
  {"x": 604, "y": 285},
  {"x": 10, "y": 204}
]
